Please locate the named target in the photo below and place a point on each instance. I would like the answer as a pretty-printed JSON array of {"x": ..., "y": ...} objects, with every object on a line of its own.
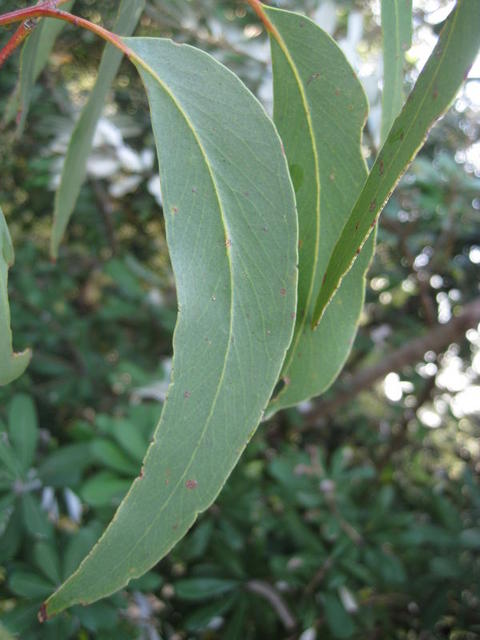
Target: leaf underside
[
  {"x": 397, "y": 38},
  {"x": 74, "y": 169},
  {"x": 12, "y": 365},
  {"x": 434, "y": 90},
  {"x": 319, "y": 110},
  {"x": 232, "y": 235}
]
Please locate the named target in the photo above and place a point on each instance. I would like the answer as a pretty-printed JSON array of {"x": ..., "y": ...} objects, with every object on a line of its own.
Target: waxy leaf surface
[
  {"x": 397, "y": 38},
  {"x": 319, "y": 109},
  {"x": 434, "y": 90},
  {"x": 232, "y": 235},
  {"x": 74, "y": 169},
  {"x": 12, "y": 365}
]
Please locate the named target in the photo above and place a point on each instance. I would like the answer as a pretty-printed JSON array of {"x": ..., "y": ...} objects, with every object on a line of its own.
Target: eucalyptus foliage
[{"x": 265, "y": 220}]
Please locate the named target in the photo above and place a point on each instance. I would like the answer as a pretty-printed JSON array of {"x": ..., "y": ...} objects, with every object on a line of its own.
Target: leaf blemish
[
  {"x": 314, "y": 76},
  {"x": 174, "y": 210},
  {"x": 187, "y": 394},
  {"x": 372, "y": 206},
  {"x": 381, "y": 167},
  {"x": 191, "y": 484},
  {"x": 283, "y": 292}
]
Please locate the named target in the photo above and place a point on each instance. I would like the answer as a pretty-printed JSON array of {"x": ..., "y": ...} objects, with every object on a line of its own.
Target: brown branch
[
  {"x": 437, "y": 339},
  {"x": 278, "y": 604}
]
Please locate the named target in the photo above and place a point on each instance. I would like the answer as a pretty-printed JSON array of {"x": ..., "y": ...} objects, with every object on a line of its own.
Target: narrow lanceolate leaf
[
  {"x": 12, "y": 365},
  {"x": 74, "y": 169},
  {"x": 434, "y": 90},
  {"x": 397, "y": 38},
  {"x": 35, "y": 54},
  {"x": 320, "y": 109},
  {"x": 232, "y": 235}
]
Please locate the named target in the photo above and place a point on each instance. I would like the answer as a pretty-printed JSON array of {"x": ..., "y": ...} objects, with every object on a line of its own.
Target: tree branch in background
[
  {"x": 278, "y": 604},
  {"x": 437, "y": 339}
]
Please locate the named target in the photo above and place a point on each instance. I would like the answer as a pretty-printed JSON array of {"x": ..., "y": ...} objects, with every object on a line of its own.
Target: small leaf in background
[
  {"x": 194, "y": 589},
  {"x": 108, "y": 454},
  {"x": 397, "y": 39},
  {"x": 35, "y": 518},
  {"x": 339, "y": 621},
  {"x": 320, "y": 110},
  {"x": 47, "y": 560},
  {"x": 29, "y": 585},
  {"x": 232, "y": 236},
  {"x": 104, "y": 489},
  {"x": 23, "y": 429},
  {"x": 12, "y": 365},
  {"x": 74, "y": 169},
  {"x": 434, "y": 90}
]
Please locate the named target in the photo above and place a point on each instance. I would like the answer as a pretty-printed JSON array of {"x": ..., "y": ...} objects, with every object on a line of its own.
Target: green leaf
[
  {"x": 74, "y": 169},
  {"x": 397, "y": 38},
  {"x": 110, "y": 455},
  {"x": 232, "y": 235},
  {"x": 130, "y": 438},
  {"x": 12, "y": 365},
  {"x": 195, "y": 589},
  {"x": 320, "y": 110},
  {"x": 434, "y": 90},
  {"x": 47, "y": 560},
  {"x": 29, "y": 585},
  {"x": 201, "y": 618},
  {"x": 35, "y": 54},
  {"x": 35, "y": 519},
  {"x": 23, "y": 429},
  {"x": 64, "y": 467},
  {"x": 339, "y": 621},
  {"x": 104, "y": 489}
]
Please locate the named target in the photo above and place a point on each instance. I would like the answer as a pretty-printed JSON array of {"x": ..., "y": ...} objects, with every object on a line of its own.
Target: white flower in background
[{"x": 111, "y": 159}]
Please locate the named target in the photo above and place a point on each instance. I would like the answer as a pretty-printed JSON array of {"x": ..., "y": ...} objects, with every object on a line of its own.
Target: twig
[
  {"x": 437, "y": 339},
  {"x": 278, "y": 604}
]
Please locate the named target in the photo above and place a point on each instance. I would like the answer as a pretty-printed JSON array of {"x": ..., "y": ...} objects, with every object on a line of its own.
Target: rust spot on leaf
[
  {"x": 228, "y": 243},
  {"x": 372, "y": 206},
  {"x": 337, "y": 91},
  {"x": 283, "y": 292},
  {"x": 174, "y": 210},
  {"x": 191, "y": 484},
  {"x": 381, "y": 167}
]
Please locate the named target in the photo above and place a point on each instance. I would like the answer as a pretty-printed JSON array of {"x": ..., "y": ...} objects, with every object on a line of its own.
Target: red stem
[
  {"x": 21, "y": 34},
  {"x": 48, "y": 10},
  {"x": 257, "y": 7}
]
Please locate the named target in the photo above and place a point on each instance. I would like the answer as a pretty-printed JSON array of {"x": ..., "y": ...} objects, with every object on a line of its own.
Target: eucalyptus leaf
[
  {"x": 320, "y": 110},
  {"x": 23, "y": 429},
  {"x": 74, "y": 168},
  {"x": 232, "y": 235},
  {"x": 12, "y": 365},
  {"x": 434, "y": 90},
  {"x": 397, "y": 38},
  {"x": 35, "y": 54}
]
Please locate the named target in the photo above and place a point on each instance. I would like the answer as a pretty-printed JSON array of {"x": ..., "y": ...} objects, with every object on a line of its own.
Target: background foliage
[{"x": 355, "y": 516}]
